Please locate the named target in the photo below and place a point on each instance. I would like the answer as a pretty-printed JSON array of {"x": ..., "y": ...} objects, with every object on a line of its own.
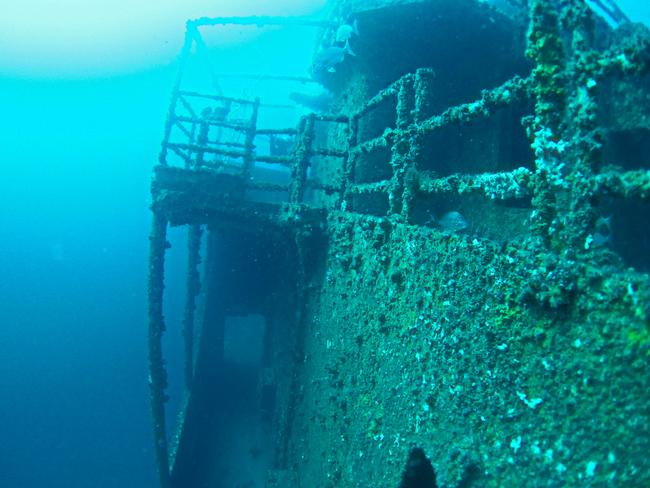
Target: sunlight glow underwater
[{"x": 91, "y": 38}]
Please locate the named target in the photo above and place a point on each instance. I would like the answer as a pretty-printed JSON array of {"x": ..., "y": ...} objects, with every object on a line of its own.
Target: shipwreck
[{"x": 440, "y": 278}]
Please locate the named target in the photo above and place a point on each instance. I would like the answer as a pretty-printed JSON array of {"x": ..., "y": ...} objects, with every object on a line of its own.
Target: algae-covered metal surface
[
  {"x": 461, "y": 347},
  {"x": 454, "y": 276}
]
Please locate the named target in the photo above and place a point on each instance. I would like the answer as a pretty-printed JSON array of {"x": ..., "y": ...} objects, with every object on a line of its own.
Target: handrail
[{"x": 260, "y": 21}]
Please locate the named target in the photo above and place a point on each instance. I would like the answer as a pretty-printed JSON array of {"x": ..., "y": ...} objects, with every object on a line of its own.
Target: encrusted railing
[
  {"x": 411, "y": 94},
  {"x": 198, "y": 150},
  {"x": 563, "y": 87}
]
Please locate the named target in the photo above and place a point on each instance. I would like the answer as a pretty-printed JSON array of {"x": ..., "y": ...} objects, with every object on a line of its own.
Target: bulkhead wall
[{"x": 485, "y": 356}]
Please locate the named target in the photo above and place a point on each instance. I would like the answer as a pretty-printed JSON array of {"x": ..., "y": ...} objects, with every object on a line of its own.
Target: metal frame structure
[
  {"x": 196, "y": 128},
  {"x": 565, "y": 137}
]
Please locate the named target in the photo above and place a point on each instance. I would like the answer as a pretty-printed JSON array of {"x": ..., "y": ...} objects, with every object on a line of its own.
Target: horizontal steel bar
[
  {"x": 491, "y": 100},
  {"x": 260, "y": 21},
  {"x": 258, "y": 76},
  {"x": 264, "y": 132},
  {"x": 329, "y": 152},
  {"x": 260, "y": 185},
  {"x": 367, "y": 188},
  {"x": 372, "y": 144},
  {"x": 226, "y": 144},
  {"x": 205, "y": 149},
  {"x": 338, "y": 119},
  {"x": 625, "y": 184},
  {"x": 496, "y": 186},
  {"x": 226, "y": 125},
  {"x": 240, "y": 101},
  {"x": 219, "y": 166},
  {"x": 274, "y": 159}
]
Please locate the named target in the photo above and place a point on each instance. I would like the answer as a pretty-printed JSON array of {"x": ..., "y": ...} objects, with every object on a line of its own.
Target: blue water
[
  {"x": 76, "y": 158},
  {"x": 76, "y": 154}
]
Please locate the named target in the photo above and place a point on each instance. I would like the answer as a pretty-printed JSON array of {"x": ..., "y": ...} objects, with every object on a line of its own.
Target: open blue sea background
[
  {"x": 76, "y": 158},
  {"x": 76, "y": 152}
]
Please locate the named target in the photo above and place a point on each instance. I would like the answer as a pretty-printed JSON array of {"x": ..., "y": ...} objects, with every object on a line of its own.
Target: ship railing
[
  {"x": 212, "y": 131},
  {"x": 401, "y": 144},
  {"x": 196, "y": 137},
  {"x": 198, "y": 141}
]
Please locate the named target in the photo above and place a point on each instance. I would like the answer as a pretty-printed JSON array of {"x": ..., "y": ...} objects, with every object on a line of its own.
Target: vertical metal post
[
  {"x": 157, "y": 374},
  {"x": 202, "y": 141},
  {"x": 193, "y": 286},
  {"x": 306, "y": 134},
  {"x": 249, "y": 143},
  {"x": 349, "y": 164},
  {"x": 405, "y": 102},
  {"x": 546, "y": 51},
  {"x": 423, "y": 94},
  {"x": 583, "y": 129},
  {"x": 403, "y": 148}
]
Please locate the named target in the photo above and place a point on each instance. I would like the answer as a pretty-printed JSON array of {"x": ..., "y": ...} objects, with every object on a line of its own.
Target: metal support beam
[
  {"x": 157, "y": 374},
  {"x": 302, "y": 156},
  {"x": 249, "y": 143},
  {"x": 193, "y": 287}
]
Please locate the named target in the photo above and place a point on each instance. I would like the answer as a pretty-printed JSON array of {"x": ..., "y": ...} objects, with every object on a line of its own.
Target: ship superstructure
[{"x": 445, "y": 270}]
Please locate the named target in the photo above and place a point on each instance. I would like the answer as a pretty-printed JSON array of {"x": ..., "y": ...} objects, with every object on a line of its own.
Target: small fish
[
  {"x": 328, "y": 58},
  {"x": 599, "y": 239},
  {"x": 345, "y": 32},
  {"x": 452, "y": 221},
  {"x": 603, "y": 234}
]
